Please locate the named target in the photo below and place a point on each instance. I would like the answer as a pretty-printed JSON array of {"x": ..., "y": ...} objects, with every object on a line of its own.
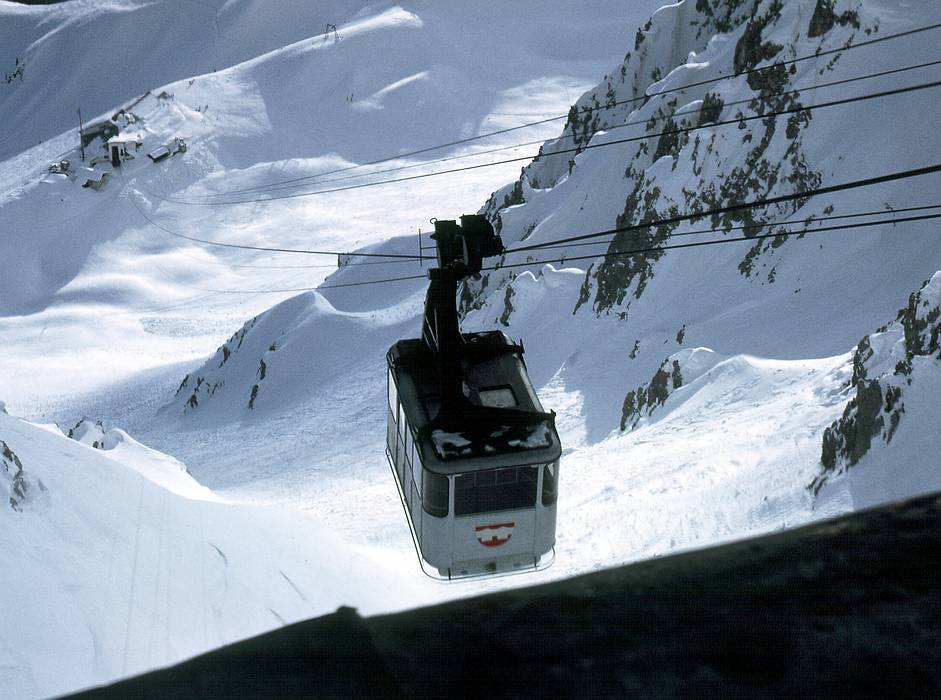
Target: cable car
[{"x": 474, "y": 456}]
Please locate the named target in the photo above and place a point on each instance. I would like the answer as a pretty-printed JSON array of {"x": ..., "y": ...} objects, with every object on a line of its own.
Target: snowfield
[
  {"x": 118, "y": 561},
  {"x": 226, "y": 470}
]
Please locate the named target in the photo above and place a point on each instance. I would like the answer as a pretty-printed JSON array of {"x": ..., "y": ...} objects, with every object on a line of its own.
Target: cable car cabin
[
  {"x": 480, "y": 494},
  {"x": 475, "y": 457}
]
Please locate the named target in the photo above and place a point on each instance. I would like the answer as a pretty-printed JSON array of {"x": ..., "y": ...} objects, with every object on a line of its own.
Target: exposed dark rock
[
  {"x": 507, "y": 306},
  {"x": 876, "y": 405},
  {"x": 725, "y": 15},
  {"x": 12, "y": 470},
  {"x": 182, "y": 385},
  {"x": 645, "y": 399},
  {"x": 851, "y": 436},
  {"x": 824, "y": 19},
  {"x": 623, "y": 267},
  {"x": 203, "y": 387},
  {"x": 750, "y": 49},
  {"x": 711, "y": 109}
]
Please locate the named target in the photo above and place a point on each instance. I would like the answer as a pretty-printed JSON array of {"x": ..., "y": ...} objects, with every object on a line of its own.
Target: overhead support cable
[
  {"x": 789, "y": 197},
  {"x": 578, "y": 150},
  {"x": 700, "y": 232},
  {"x": 276, "y": 186},
  {"x": 614, "y": 254},
  {"x": 738, "y": 239},
  {"x": 560, "y": 242},
  {"x": 617, "y": 103},
  {"x": 240, "y": 246}
]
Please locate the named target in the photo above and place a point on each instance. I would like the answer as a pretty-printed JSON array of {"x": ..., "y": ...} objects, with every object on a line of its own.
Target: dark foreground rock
[{"x": 844, "y": 607}]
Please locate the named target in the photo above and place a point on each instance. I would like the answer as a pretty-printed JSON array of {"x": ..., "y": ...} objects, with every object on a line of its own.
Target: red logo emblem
[{"x": 494, "y": 535}]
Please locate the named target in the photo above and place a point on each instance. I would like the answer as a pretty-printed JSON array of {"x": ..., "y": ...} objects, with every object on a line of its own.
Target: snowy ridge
[
  {"x": 123, "y": 562},
  {"x": 754, "y": 299},
  {"x": 678, "y": 370},
  {"x": 285, "y": 112},
  {"x": 674, "y": 33},
  {"x": 279, "y": 358},
  {"x": 161, "y": 469},
  {"x": 75, "y": 42}
]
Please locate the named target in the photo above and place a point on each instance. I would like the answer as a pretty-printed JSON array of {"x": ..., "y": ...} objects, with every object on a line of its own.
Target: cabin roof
[{"x": 501, "y": 423}]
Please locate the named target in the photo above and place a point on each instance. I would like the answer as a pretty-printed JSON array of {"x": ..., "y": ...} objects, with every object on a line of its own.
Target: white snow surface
[
  {"x": 267, "y": 499},
  {"x": 119, "y": 561}
]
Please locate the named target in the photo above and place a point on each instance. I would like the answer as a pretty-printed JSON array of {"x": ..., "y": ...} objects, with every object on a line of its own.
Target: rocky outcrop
[
  {"x": 200, "y": 386},
  {"x": 13, "y": 478},
  {"x": 751, "y": 154},
  {"x": 644, "y": 399},
  {"x": 887, "y": 365},
  {"x": 678, "y": 370},
  {"x": 88, "y": 432}
]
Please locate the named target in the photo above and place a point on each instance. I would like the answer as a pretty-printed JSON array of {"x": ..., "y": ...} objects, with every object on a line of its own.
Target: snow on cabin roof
[
  {"x": 530, "y": 436},
  {"x": 502, "y": 422}
]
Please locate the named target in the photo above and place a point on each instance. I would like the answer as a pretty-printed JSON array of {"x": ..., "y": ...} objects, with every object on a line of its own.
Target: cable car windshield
[{"x": 512, "y": 488}]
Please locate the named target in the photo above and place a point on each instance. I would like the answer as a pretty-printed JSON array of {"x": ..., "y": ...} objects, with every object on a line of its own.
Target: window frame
[
  {"x": 431, "y": 487},
  {"x": 484, "y": 500},
  {"x": 498, "y": 387},
  {"x": 550, "y": 496}
]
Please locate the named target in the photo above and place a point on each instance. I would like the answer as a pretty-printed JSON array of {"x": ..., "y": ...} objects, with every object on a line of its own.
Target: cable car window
[
  {"x": 488, "y": 478},
  {"x": 393, "y": 393},
  {"x": 506, "y": 476},
  {"x": 550, "y": 484},
  {"x": 497, "y": 489},
  {"x": 390, "y": 434},
  {"x": 392, "y": 421},
  {"x": 409, "y": 446},
  {"x": 417, "y": 475},
  {"x": 498, "y": 397},
  {"x": 434, "y": 496},
  {"x": 401, "y": 422}
]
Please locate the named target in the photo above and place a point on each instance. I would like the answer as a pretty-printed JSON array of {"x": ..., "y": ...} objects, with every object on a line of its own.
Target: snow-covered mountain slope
[
  {"x": 97, "y": 55},
  {"x": 735, "y": 355},
  {"x": 312, "y": 339},
  {"x": 311, "y": 106},
  {"x": 99, "y": 295},
  {"x": 597, "y": 331},
  {"x": 115, "y": 560},
  {"x": 792, "y": 297},
  {"x": 887, "y": 437}
]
